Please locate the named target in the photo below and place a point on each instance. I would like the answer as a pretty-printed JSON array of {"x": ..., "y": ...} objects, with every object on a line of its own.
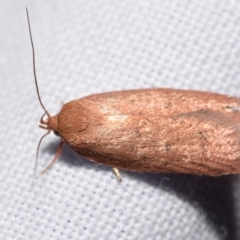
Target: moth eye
[{"x": 56, "y": 133}]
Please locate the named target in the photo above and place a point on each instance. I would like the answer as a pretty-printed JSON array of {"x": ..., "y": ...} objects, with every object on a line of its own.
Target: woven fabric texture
[{"x": 93, "y": 46}]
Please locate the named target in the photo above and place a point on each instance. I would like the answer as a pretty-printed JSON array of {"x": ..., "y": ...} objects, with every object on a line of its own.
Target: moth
[{"x": 151, "y": 130}]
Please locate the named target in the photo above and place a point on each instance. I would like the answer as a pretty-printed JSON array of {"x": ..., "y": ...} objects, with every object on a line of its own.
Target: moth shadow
[{"x": 213, "y": 196}]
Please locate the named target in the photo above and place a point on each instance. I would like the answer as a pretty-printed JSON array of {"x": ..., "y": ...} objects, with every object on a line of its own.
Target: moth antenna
[
  {"x": 34, "y": 65},
  {"x": 36, "y": 162},
  {"x": 38, "y": 94}
]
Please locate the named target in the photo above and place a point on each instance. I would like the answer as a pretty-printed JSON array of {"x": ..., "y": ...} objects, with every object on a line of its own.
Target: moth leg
[
  {"x": 58, "y": 153},
  {"x": 116, "y": 171}
]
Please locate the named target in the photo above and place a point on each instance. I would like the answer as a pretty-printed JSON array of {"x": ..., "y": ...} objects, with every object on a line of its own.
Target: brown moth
[{"x": 151, "y": 130}]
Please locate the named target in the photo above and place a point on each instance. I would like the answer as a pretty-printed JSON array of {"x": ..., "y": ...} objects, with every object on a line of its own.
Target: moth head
[{"x": 50, "y": 124}]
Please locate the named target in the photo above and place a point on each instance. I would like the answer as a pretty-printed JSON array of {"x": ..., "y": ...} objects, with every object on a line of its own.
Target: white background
[{"x": 92, "y": 46}]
